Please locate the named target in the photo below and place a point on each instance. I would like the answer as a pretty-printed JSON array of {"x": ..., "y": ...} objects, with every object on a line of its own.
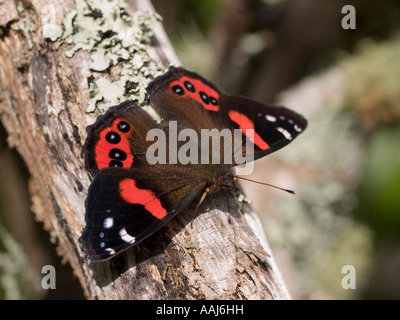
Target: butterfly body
[{"x": 133, "y": 195}]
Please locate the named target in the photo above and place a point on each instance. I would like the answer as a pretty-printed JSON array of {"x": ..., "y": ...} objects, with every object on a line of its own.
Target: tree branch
[{"x": 222, "y": 255}]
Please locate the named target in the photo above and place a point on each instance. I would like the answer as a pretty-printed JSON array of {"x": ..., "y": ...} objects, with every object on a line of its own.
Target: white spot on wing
[
  {"x": 285, "y": 133},
  {"x": 110, "y": 251},
  {"x": 108, "y": 223},
  {"x": 297, "y": 128},
  {"x": 270, "y": 118},
  {"x": 126, "y": 237}
]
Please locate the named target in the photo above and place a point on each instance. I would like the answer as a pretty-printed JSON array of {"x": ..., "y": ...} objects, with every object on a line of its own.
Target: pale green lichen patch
[
  {"x": 52, "y": 31},
  {"x": 20, "y": 7},
  {"x": 18, "y": 279},
  {"x": 106, "y": 30}
]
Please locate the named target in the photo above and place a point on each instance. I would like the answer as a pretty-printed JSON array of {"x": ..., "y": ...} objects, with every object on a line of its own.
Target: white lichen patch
[
  {"x": 52, "y": 31},
  {"x": 112, "y": 36}
]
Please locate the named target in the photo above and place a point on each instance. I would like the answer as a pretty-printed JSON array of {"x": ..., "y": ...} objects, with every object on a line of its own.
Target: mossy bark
[{"x": 223, "y": 254}]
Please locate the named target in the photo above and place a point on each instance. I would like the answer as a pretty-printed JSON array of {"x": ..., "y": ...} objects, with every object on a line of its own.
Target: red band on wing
[
  {"x": 246, "y": 124},
  {"x": 132, "y": 194},
  {"x": 211, "y": 96},
  {"x": 103, "y": 147}
]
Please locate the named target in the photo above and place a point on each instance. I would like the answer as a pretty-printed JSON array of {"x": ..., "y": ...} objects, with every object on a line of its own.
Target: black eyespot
[
  {"x": 204, "y": 97},
  {"x": 117, "y": 154},
  {"x": 189, "y": 86},
  {"x": 123, "y": 126},
  {"x": 178, "y": 90},
  {"x": 115, "y": 163},
  {"x": 213, "y": 101},
  {"x": 113, "y": 137}
]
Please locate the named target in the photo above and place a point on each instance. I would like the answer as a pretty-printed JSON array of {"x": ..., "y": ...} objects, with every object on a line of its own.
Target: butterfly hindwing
[
  {"x": 186, "y": 97},
  {"x": 118, "y": 138}
]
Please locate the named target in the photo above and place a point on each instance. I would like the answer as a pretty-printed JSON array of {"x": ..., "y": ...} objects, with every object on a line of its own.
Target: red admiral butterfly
[{"x": 129, "y": 198}]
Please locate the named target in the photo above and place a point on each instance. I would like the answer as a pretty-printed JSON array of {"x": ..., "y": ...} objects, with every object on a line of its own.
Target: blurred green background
[{"x": 345, "y": 168}]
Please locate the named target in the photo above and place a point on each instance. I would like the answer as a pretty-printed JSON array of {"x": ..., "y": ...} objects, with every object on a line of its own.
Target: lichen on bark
[{"x": 113, "y": 37}]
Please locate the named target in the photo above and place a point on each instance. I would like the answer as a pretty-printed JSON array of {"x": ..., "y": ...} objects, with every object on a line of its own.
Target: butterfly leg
[{"x": 206, "y": 192}]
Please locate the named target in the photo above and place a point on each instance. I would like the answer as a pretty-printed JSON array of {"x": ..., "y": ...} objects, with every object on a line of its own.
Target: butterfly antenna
[{"x": 267, "y": 184}]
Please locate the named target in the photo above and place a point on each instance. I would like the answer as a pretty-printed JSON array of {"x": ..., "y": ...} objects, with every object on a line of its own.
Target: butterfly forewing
[
  {"x": 127, "y": 205},
  {"x": 272, "y": 127},
  {"x": 196, "y": 102}
]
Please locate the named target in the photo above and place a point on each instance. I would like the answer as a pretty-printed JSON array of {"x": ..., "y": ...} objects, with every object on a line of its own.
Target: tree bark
[{"x": 223, "y": 254}]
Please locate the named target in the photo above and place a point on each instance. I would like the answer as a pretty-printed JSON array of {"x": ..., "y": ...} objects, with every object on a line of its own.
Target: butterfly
[{"x": 135, "y": 192}]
